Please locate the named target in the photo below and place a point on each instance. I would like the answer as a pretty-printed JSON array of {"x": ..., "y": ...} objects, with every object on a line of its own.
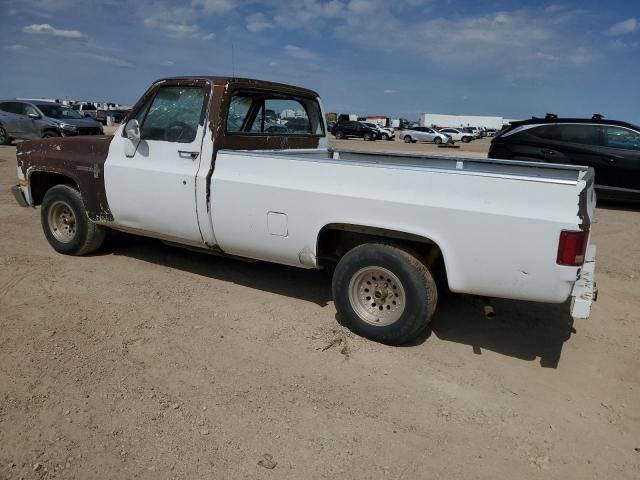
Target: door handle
[
  {"x": 547, "y": 152},
  {"x": 188, "y": 154},
  {"x": 610, "y": 159}
]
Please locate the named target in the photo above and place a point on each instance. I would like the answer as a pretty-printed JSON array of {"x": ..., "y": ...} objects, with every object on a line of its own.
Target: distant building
[{"x": 446, "y": 120}]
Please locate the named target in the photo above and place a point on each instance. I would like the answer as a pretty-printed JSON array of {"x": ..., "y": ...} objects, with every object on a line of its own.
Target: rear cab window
[{"x": 263, "y": 113}]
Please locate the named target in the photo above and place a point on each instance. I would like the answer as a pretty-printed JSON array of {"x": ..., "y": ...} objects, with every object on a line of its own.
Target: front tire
[
  {"x": 384, "y": 292},
  {"x": 437, "y": 140},
  {"x": 65, "y": 223},
  {"x": 385, "y": 136},
  {"x": 367, "y": 137},
  {"x": 466, "y": 139},
  {"x": 339, "y": 135},
  {"x": 408, "y": 139},
  {"x": 50, "y": 134},
  {"x": 5, "y": 139}
]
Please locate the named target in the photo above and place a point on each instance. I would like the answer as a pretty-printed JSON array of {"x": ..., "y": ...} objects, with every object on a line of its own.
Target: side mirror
[
  {"x": 132, "y": 130},
  {"x": 35, "y": 116}
]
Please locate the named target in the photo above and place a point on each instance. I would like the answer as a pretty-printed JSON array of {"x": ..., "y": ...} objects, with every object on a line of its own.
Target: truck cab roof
[{"x": 247, "y": 83}]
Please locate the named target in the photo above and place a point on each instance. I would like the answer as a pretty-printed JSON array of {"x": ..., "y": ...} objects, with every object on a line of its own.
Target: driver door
[
  {"x": 151, "y": 181},
  {"x": 30, "y": 121}
]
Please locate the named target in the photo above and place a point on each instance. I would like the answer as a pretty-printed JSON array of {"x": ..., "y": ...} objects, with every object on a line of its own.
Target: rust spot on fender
[{"x": 77, "y": 158}]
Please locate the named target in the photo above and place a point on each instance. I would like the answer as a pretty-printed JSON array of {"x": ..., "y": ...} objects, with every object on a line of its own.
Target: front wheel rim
[
  {"x": 62, "y": 222},
  {"x": 377, "y": 296}
]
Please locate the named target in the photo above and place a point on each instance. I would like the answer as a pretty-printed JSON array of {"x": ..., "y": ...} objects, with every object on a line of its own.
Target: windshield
[{"x": 58, "y": 111}]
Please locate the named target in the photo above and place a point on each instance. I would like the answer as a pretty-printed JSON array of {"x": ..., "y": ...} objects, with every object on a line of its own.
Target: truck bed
[
  {"x": 547, "y": 172},
  {"x": 497, "y": 222}
]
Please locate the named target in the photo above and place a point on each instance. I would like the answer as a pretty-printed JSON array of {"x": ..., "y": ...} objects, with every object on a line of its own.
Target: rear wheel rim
[
  {"x": 62, "y": 221},
  {"x": 377, "y": 296},
  {"x": 3, "y": 135}
]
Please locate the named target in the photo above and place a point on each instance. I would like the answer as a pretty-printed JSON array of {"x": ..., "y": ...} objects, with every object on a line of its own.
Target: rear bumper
[
  {"x": 19, "y": 196},
  {"x": 584, "y": 291}
]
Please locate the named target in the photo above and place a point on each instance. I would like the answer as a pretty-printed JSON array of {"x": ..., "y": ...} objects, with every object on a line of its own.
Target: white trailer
[{"x": 445, "y": 120}]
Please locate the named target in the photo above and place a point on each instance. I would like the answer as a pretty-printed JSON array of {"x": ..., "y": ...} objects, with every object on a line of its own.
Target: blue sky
[{"x": 391, "y": 57}]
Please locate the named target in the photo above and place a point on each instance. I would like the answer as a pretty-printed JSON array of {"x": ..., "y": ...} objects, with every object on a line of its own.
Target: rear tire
[
  {"x": 384, "y": 292},
  {"x": 339, "y": 135},
  {"x": 65, "y": 223},
  {"x": 466, "y": 139}
]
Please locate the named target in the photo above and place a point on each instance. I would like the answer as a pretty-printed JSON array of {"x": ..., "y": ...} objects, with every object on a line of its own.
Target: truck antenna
[{"x": 233, "y": 62}]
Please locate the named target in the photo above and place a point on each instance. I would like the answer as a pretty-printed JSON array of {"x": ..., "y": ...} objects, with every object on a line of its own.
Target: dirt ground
[{"x": 150, "y": 362}]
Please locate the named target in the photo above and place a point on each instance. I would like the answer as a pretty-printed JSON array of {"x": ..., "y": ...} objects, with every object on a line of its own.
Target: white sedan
[{"x": 457, "y": 135}]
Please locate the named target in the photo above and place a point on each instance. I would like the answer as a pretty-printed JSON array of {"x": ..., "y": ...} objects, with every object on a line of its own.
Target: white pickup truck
[{"x": 195, "y": 165}]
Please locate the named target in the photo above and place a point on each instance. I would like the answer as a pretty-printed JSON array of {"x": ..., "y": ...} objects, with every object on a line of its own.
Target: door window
[
  {"x": 618, "y": 137},
  {"x": 174, "y": 115},
  {"x": 30, "y": 110},
  {"x": 12, "y": 107},
  {"x": 545, "y": 132},
  {"x": 584, "y": 134}
]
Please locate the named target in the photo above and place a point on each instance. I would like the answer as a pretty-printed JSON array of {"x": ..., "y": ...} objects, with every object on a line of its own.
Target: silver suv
[
  {"x": 423, "y": 134},
  {"x": 21, "y": 120}
]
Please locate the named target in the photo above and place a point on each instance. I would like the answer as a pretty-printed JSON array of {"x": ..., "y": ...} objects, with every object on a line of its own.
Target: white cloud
[
  {"x": 305, "y": 13},
  {"x": 216, "y": 6},
  {"x": 554, "y": 8},
  {"x": 46, "y": 29},
  {"x": 389, "y": 90},
  {"x": 547, "y": 57},
  {"x": 116, "y": 62},
  {"x": 299, "y": 52},
  {"x": 14, "y": 47},
  {"x": 583, "y": 56},
  {"x": 175, "y": 22},
  {"x": 257, "y": 22},
  {"x": 624, "y": 27}
]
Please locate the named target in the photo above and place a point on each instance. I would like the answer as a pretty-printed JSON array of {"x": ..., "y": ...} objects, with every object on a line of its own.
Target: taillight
[{"x": 571, "y": 247}]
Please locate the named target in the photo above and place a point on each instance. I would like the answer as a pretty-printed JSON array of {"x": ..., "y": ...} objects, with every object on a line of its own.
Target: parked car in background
[
  {"x": 491, "y": 132},
  {"x": 424, "y": 134},
  {"x": 86, "y": 109},
  {"x": 384, "y": 133},
  {"x": 21, "y": 120},
  {"x": 117, "y": 115},
  {"x": 610, "y": 147},
  {"x": 457, "y": 135},
  {"x": 354, "y": 129},
  {"x": 470, "y": 130},
  {"x": 475, "y": 131},
  {"x": 101, "y": 116},
  {"x": 297, "y": 125}
]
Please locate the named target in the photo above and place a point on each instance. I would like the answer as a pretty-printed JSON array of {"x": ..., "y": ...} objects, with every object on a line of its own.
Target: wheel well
[
  {"x": 336, "y": 239},
  {"x": 41, "y": 182}
]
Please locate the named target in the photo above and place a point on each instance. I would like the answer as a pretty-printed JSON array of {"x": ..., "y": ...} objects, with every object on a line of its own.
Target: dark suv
[
  {"x": 27, "y": 120},
  {"x": 346, "y": 129},
  {"x": 612, "y": 148}
]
